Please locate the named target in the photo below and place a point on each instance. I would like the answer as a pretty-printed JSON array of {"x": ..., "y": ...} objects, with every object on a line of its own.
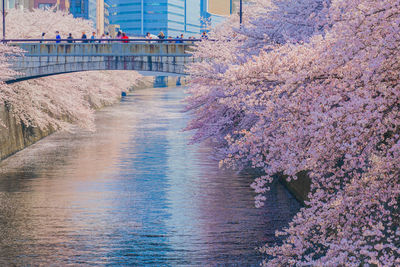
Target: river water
[{"x": 133, "y": 193}]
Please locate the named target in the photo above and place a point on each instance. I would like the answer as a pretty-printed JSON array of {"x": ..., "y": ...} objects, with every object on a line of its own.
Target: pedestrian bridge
[{"x": 155, "y": 59}]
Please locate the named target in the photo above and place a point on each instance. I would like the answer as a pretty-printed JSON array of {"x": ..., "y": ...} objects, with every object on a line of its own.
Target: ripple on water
[{"x": 132, "y": 193}]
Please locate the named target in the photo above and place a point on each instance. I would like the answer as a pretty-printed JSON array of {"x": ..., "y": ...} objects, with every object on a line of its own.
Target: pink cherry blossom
[
  {"x": 56, "y": 102},
  {"x": 311, "y": 86}
]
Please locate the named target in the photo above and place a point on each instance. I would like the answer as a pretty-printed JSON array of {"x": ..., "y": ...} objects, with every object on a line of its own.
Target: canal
[{"x": 133, "y": 193}]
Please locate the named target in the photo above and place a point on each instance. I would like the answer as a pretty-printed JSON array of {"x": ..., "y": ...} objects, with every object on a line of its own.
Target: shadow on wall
[{"x": 15, "y": 136}]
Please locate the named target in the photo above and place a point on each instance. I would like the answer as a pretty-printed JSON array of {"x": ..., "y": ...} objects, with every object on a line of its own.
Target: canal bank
[
  {"x": 15, "y": 136},
  {"x": 133, "y": 193}
]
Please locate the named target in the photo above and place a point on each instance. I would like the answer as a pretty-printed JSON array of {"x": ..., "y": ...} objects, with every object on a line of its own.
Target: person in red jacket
[{"x": 125, "y": 38}]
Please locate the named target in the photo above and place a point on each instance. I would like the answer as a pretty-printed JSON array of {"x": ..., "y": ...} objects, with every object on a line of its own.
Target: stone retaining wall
[{"x": 15, "y": 136}]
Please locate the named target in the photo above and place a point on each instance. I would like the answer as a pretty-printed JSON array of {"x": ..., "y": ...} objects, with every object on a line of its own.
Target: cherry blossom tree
[
  {"x": 328, "y": 105},
  {"x": 207, "y": 76},
  {"x": 230, "y": 45},
  {"x": 60, "y": 101},
  {"x": 282, "y": 21},
  {"x": 25, "y": 24}
]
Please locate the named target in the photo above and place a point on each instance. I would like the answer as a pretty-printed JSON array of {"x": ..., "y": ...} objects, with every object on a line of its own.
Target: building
[
  {"x": 216, "y": 12},
  {"x": 100, "y": 17},
  {"x": 220, "y": 7},
  {"x": 173, "y": 17},
  {"x": 245, "y": 5},
  {"x": 60, "y": 4},
  {"x": 106, "y": 18},
  {"x": 23, "y": 4},
  {"x": 94, "y": 10},
  {"x": 86, "y": 9}
]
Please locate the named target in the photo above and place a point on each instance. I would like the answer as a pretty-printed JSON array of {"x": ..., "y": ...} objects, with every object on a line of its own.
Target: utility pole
[
  {"x": 142, "y": 17},
  {"x": 4, "y": 21},
  {"x": 240, "y": 11}
]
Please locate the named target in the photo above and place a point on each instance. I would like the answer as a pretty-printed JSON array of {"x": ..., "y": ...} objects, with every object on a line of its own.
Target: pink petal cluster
[
  {"x": 56, "y": 102},
  {"x": 25, "y": 24},
  {"x": 327, "y": 103},
  {"x": 61, "y": 101}
]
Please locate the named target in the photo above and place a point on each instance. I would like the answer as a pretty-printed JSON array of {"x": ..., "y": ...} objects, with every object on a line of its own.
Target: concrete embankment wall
[{"x": 15, "y": 136}]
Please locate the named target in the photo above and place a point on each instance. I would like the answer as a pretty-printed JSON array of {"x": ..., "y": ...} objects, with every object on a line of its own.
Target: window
[
  {"x": 45, "y": 5},
  {"x": 78, "y": 7}
]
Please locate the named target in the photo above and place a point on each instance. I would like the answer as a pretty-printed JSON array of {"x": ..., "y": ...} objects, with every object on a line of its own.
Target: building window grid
[{"x": 150, "y": 9}]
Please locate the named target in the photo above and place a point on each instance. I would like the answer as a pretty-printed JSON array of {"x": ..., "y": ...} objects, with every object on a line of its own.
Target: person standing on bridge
[
  {"x": 119, "y": 35},
  {"x": 161, "y": 36},
  {"x": 108, "y": 37},
  {"x": 125, "y": 38},
  {"x": 84, "y": 37},
  {"x": 148, "y": 36},
  {"x": 43, "y": 34},
  {"x": 58, "y": 37},
  {"x": 103, "y": 37},
  {"x": 70, "y": 38},
  {"x": 179, "y": 39},
  {"x": 93, "y": 37}
]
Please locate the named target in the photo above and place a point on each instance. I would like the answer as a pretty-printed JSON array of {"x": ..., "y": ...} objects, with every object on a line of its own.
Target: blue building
[
  {"x": 173, "y": 17},
  {"x": 85, "y": 9},
  {"x": 216, "y": 11}
]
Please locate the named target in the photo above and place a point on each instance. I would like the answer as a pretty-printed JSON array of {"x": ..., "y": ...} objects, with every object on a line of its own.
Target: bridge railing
[
  {"x": 35, "y": 49},
  {"x": 78, "y": 40}
]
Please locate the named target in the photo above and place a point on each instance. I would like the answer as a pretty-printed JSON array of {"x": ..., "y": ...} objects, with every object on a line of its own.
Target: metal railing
[{"x": 101, "y": 41}]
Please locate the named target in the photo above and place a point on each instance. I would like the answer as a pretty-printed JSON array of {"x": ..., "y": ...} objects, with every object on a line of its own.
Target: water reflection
[{"x": 133, "y": 193}]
